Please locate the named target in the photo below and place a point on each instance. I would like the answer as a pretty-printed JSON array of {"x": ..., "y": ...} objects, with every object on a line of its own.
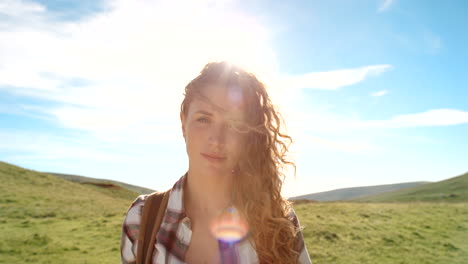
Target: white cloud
[
  {"x": 332, "y": 80},
  {"x": 436, "y": 117},
  {"x": 385, "y": 5},
  {"x": 20, "y": 8},
  {"x": 328, "y": 122},
  {"x": 380, "y": 93},
  {"x": 136, "y": 59},
  {"x": 40, "y": 146}
]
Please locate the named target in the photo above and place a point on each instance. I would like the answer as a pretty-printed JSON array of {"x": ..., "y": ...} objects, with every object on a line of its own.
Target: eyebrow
[
  {"x": 203, "y": 112},
  {"x": 216, "y": 107},
  {"x": 208, "y": 101}
]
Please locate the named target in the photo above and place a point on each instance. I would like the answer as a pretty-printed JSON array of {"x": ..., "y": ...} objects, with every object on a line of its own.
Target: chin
[{"x": 217, "y": 170}]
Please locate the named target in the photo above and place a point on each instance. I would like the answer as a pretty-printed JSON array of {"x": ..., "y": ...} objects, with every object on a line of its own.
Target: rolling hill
[
  {"x": 451, "y": 190},
  {"x": 46, "y": 219},
  {"x": 102, "y": 182},
  {"x": 354, "y": 192}
]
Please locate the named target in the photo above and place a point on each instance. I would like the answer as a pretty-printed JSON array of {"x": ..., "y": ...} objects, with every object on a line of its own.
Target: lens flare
[
  {"x": 235, "y": 95},
  {"x": 229, "y": 226}
]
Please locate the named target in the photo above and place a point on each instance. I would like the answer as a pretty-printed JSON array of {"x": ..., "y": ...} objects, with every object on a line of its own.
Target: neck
[{"x": 206, "y": 195}]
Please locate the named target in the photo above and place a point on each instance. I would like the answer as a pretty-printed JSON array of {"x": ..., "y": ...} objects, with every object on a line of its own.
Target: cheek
[
  {"x": 195, "y": 131},
  {"x": 236, "y": 144},
  {"x": 196, "y": 136}
]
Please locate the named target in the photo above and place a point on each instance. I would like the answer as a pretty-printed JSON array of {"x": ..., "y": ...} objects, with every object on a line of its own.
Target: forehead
[{"x": 227, "y": 101}]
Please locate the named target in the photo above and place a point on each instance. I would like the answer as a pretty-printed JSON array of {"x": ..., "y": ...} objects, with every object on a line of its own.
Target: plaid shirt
[{"x": 174, "y": 235}]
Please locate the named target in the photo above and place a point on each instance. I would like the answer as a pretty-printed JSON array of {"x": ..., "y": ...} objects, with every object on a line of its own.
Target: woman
[{"x": 236, "y": 156}]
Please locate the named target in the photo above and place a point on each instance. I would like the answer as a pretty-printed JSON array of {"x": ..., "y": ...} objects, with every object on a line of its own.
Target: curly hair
[{"x": 260, "y": 173}]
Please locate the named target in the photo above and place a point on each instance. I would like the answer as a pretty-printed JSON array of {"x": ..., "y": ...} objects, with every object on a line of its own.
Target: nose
[{"x": 218, "y": 134}]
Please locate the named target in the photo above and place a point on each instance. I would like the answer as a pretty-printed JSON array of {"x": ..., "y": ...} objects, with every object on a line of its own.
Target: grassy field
[
  {"x": 385, "y": 232},
  {"x": 45, "y": 219}
]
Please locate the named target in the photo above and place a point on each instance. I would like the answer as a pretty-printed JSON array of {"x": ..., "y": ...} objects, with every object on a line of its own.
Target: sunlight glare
[{"x": 229, "y": 226}]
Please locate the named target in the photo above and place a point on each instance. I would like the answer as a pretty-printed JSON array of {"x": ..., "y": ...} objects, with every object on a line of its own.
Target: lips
[{"x": 213, "y": 157}]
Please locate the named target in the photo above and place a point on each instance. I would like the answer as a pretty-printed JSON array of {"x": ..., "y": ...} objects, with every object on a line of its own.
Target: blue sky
[{"x": 372, "y": 92}]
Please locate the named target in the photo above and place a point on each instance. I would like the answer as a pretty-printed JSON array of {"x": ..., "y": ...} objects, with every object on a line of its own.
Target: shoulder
[
  {"x": 137, "y": 205},
  {"x": 135, "y": 211},
  {"x": 293, "y": 218},
  {"x": 131, "y": 224},
  {"x": 299, "y": 244}
]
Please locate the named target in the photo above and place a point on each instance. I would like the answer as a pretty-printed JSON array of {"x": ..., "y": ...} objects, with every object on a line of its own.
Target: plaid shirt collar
[{"x": 175, "y": 233}]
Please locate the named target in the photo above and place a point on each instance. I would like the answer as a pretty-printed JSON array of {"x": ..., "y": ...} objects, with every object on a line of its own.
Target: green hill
[
  {"x": 104, "y": 184},
  {"x": 46, "y": 219},
  {"x": 451, "y": 190},
  {"x": 385, "y": 233},
  {"x": 355, "y": 192}
]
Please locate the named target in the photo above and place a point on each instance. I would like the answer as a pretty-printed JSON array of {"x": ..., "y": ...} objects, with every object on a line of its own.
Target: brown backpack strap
[{"x": 151, "y": 218}]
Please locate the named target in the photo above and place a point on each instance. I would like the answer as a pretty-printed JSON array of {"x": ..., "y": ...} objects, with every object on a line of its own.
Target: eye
[{"x": 203, "y": 120}]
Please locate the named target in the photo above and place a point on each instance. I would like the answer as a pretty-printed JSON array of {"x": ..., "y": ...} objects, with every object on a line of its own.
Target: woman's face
[{"x": 213, "y": 144}]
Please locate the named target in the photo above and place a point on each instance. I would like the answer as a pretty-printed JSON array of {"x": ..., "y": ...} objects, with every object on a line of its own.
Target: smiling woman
[{"x": 228, "y": 207}]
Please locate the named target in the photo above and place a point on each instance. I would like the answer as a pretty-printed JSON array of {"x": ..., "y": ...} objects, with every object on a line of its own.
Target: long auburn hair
[{"x": 260, "y": 173}]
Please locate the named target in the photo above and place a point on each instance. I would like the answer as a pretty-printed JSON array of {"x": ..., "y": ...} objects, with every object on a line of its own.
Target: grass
[
  {"x": 46, "y": 219},
  {"x": 385, "y": 232}
]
